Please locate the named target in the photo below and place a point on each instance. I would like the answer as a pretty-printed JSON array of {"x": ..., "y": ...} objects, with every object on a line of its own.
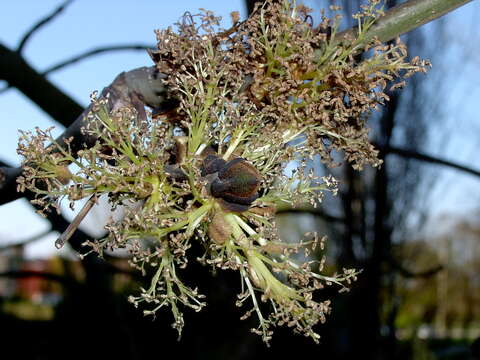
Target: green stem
[{"x": 404, "y": 18}]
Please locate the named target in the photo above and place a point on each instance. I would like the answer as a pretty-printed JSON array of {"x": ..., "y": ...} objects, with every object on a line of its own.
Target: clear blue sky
[{"x": 87, "y": 24}]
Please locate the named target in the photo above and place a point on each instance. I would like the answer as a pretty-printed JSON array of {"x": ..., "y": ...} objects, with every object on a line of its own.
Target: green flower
[{"x": 251, "y": 99}]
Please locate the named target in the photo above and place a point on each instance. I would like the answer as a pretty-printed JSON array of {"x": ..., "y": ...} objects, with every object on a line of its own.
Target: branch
[
  {"x": 8, "y": 184},
  {"x": 41, "y": 23},
  {"x": 86, "y": 55},
  {"x": 404, "y": 18},
  {"x": 430, "y": 159},
  {"x": 92, "y": 52},
  {"x": 18, "y": 73}
]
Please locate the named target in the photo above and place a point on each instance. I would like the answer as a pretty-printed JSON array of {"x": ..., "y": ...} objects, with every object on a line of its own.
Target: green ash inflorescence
[{"x": 269, "y": 90}]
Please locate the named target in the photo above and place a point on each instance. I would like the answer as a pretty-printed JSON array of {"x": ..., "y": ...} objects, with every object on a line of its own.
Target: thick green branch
[{"x": 406, "y": 17}]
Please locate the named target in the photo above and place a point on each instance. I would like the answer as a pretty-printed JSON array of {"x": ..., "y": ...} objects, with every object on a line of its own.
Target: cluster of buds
[{"x": 251, "y": 99}]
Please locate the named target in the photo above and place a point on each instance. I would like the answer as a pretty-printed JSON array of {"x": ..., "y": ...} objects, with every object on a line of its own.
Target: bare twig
[
  {"x": 57, "y": 221},
  {"x": 311, "y": 211},
  {"x": 67, "y": 234},
  {"x": 41, "y": 23},
  {"x": 430, "y": 159},
  {"x": 93, "y": 52}
]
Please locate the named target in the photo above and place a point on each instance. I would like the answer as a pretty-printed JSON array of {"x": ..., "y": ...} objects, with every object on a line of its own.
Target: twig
[
  {"x": 67, "y": 234},
  {"x": 92, "y": 52},
  {"x": 41, "y": 23},
  {"x": 430, "y": 159},
  {"x": 85, "y": 55},
  {"x": 56, "y": 220},
  {"x": 312, "y": 211}
]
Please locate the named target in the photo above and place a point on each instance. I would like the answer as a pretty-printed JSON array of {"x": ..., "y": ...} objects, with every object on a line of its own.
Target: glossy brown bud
[{"x": 235, "y": 182}]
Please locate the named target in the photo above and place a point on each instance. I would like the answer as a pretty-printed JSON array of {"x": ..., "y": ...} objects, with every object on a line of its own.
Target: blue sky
[{"x": 87, "y": 24}]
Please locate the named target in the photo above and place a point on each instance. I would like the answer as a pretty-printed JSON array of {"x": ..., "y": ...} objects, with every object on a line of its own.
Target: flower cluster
[{"x": 251, "y": 98}]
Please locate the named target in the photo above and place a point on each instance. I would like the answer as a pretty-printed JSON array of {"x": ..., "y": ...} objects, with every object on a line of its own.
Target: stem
[
  {"x": 233, "y": 146},
  {"x": 248, "y": 229}
]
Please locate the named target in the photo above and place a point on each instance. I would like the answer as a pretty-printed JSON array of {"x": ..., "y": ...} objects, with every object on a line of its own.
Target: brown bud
[
  {"x": 238, "y": 182},
  {"x": 234, "y": 183},
  {"x": 63, "y": 174},
  {"x": 219, "y": 230}
]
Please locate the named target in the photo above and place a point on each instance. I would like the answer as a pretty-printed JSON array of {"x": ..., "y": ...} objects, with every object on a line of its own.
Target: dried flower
[{"x": 267, "y": 91}]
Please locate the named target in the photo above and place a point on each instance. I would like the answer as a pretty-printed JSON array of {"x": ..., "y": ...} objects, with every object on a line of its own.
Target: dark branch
[
  {"x": 430, "y": 159},
  {"x": 312, "y": 211},
  {"x": 18, "y": 73},
  {"x": 86, "y": 55},
  {"x": 8, "y": 184},
  {"x": 41, "y": 23},
  {"x": 93, "y": 52}
]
